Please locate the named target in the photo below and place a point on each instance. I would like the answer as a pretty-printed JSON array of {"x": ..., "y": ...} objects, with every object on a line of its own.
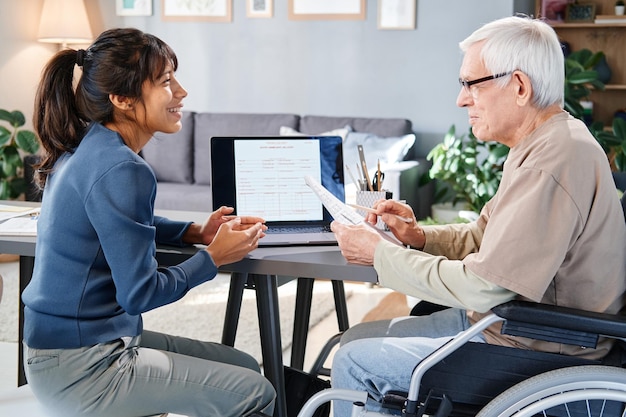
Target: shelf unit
[{"x": 609, "y": 38}]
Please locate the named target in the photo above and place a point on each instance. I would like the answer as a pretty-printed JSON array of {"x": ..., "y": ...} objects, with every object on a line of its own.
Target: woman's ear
[{"x": 121, "y": 102}]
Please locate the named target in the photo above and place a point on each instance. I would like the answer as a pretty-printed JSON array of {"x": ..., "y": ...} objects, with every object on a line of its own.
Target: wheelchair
[{"x": 465, "y": 378}]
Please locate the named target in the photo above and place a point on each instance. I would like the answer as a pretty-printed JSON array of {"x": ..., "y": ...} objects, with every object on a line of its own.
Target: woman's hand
[
  {"x": 205, "y": 233},
  {"x": 234, "y": 240},
  {"x": 408, "y": 233},
  {"x": 357, "y": 243}
]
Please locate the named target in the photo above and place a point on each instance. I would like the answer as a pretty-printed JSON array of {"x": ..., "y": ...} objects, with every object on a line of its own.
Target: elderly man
[{"x": 554, "y": 232}]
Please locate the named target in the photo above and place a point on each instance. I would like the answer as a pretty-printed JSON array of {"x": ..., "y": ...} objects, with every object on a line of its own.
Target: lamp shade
[{"x": 63, "y": 22}]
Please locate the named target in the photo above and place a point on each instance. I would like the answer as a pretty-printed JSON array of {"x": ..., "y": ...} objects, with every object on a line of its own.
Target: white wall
[{"x": 278, "y": 65}]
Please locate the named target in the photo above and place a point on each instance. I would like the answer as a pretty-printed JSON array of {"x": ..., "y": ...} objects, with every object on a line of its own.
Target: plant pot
[
  {"x": 448, "y": 213},
  {"x": 619, "y": 10}
]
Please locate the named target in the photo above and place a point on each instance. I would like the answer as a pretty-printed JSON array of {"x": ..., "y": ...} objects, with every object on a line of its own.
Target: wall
[{"x": 279, "y": 65}]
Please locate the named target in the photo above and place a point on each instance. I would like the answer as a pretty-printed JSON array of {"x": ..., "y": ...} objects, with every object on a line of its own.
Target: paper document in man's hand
[{"x": 341, "y": 212}]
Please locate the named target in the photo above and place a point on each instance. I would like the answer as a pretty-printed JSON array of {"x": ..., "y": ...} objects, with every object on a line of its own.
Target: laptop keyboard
[{"x": 298, "y": 229}]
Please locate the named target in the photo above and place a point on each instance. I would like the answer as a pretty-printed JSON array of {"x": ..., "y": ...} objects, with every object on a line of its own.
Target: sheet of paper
[
  {"x": 8, "y": 211},
  {"x": 19, "y": 226}
]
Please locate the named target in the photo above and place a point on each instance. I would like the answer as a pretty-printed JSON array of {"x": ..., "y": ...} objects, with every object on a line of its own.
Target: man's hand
[
  {"x": 234, "y": 240},
  {"x": 407, "y": 233},
  {"x": 357, "y": 243}
]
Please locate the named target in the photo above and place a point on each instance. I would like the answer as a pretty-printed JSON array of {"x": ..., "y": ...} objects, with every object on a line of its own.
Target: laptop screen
[{"x": 264, "y": 176}]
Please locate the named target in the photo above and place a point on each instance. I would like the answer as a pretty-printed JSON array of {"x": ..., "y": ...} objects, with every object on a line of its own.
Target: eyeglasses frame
[{"x": 467, "y": 84}]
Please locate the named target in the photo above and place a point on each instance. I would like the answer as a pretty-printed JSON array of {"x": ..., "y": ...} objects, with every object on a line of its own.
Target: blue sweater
[{"x": 95, "y": 267}]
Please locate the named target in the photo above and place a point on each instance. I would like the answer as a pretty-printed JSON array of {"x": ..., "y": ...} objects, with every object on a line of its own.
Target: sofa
[{"x": 182, "y": 161}]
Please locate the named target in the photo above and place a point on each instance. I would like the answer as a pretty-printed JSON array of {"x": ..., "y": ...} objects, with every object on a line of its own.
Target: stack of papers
[{"x": 18, "y": 220}]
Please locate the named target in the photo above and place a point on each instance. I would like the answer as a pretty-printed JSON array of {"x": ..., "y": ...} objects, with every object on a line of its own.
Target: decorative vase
[
  {"x": 619, "y": 10},
  {"x": 603, "y": 70}
]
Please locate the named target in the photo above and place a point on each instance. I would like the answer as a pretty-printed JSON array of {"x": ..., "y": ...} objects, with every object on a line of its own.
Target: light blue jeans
[
  {"x": 148, "y": 375},
  {"x": 380, "y": 356}
]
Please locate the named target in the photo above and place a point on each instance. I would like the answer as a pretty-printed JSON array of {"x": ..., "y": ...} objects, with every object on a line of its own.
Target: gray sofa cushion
[
  {"x": 208, "y": 125},
  {"x": 171, "y": 155},
  {"x": 187, "y": 197},
  {"x": 379, "y": 126}
]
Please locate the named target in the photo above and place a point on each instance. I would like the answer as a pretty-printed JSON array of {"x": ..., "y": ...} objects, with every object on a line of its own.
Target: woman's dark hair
[{"x": 118, "y": 63}]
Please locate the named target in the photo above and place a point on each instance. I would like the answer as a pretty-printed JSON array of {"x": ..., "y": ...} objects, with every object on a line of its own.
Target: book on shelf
[{"x": 609, "y": 19}]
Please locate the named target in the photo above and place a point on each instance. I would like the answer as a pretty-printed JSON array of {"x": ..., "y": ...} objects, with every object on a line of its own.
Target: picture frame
[
  {"x": 133, "y": 7},
  {"x": 551, "y": 10},
  {"x": 197, "y": 10},
  {"x": 326, "y": 10},
  {"x": 580, "y": 13},
  {"x": 259, "y": 8},
  {"x": 397, "y": 14}
]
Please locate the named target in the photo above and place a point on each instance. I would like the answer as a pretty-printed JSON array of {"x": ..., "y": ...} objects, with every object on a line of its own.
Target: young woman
[{"x": 95, "y": 272}]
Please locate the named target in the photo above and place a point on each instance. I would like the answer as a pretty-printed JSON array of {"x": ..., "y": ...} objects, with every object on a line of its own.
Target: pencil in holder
[{"x": 368, "y": 198}]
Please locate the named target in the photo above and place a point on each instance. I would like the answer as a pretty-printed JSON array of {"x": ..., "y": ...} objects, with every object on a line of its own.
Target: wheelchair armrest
[{"x": 563, "y": 318}]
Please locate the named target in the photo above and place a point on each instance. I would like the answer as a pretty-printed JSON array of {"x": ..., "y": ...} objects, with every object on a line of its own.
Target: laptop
[{"x": 264, "y": 176}]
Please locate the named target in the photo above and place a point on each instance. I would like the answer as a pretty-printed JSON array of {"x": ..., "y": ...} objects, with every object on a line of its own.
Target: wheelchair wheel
[{"x": 575, "y": 391}]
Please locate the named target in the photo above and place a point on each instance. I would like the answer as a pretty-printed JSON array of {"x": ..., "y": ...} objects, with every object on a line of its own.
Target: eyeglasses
[{"x": 467, "y": 84}]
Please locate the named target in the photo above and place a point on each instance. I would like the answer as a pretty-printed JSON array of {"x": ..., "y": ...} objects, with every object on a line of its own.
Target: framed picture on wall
[
  {"x": 396, "y": 14},
  {"x": 551, "y": 10},
  {"x": 201, "y": 10},
  {"x": 259, "y": 8},
  {"x": 133, "y": 7},
  {"x": 326, "y": 10}
]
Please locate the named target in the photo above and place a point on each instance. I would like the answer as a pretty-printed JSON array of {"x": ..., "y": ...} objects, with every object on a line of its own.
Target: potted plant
[
  {"x": 13, "y": 142},
  {"x": 619, "y": 7},
  {"x": 580, "y": 78},
  {"x": 467, "y": 170}
]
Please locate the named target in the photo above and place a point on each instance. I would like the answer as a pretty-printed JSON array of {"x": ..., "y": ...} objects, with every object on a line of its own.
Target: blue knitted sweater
[{"x": 95, "y": 267}]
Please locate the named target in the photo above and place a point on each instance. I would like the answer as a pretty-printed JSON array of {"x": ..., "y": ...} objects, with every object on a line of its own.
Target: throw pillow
[
  {"x": 341, "y": 132},
  {"x": 387, "y": 150}
]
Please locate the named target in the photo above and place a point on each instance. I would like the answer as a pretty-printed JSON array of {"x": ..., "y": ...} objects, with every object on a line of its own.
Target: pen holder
[{"x": 368, "y": 198}]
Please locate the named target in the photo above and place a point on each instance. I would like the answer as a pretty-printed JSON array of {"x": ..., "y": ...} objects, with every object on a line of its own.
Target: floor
[{"x": 363, "y": 298}]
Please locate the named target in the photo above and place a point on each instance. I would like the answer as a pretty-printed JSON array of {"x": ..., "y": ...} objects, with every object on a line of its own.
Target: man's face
[{"x": 491, "y": 109}]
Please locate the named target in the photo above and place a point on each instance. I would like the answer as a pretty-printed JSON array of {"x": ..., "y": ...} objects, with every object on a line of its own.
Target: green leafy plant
[
  {"x": 14, "y": 140},
  {"x": 613, "y": 141},
  {"x": 580, "y": 78},
  {"x": 467, "y": 169}
]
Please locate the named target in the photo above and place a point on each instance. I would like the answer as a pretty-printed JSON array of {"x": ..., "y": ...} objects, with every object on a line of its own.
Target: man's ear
[
  {"x": 524, "y": 87},
  {"x": 121, "y": 102}
]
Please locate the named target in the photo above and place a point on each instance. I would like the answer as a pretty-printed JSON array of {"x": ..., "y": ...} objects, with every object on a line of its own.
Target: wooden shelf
[
  {"x": 609, "y": 38},
  {"x": 565, "y": 25}
]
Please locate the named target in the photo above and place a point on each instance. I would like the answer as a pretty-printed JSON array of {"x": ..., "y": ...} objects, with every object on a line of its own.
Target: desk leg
[
  {"x": 340, "y": 305},
  {"x": 233, "y": 307},
  {"x": 304, "y": 295},
  {"x": 27, "y": 263},
  {"x": 302, "y": 314},
  {"x": 271, "y": 345}
]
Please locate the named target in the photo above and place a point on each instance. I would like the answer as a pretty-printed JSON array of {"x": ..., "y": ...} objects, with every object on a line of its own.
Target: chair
[{"x": 453, "y": 381}]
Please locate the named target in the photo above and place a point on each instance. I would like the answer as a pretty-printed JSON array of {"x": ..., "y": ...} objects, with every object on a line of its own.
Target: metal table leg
[
  {"x": 27, "y": 264},
  {"x": 271, "y": 345}
]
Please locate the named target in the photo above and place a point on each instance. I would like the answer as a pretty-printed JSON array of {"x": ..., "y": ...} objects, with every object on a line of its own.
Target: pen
[
  {"x": 358, "y": 185},
  {"x": 371, "y": 210},
  {"x": 378, "y": 177},
  {"x": 358, "y": 170}
]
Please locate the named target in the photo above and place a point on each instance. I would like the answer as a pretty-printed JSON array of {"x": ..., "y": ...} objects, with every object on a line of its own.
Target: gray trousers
[{"x": 148, "y": 375}]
